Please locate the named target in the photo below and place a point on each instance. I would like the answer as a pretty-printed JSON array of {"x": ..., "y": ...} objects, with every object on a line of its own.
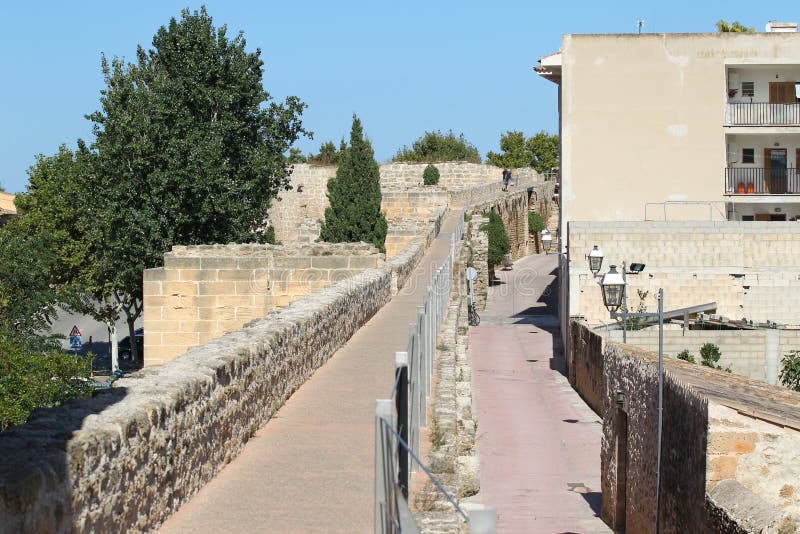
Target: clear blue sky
[{"x": 404, "y": 67}]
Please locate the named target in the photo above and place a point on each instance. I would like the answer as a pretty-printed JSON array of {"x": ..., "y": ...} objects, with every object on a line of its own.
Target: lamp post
[
  {"x": 595, "y": 260},
  {"x": 547, "y": 240},
  {"x": 613, "y": 286}
]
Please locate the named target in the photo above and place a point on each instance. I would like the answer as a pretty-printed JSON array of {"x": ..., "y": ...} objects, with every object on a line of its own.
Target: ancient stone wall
[
  {"x": 203, "y": 292},
  {"x": 513, "y": 209},
  {"x": 296, "y": 216},
  {"x": 128, "y": 458},
  {"x": 748, "y": 268},
  {"x": 703, "y": 444},
  {"x": 585, "y": 367}
]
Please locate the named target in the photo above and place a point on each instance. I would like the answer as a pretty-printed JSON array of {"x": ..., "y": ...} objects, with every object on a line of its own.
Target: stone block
[
  {"x": 178, "y": 314},
  {"x": 363, "y": 262},
  {"x": 152, "y": 288},
  {"x": 236, "y": 275},
  {"x": 216, "y": 288},
  {"x": 157, "y": 326},
  {"x": 179, "y": 262},
  {"x": 330, "y": 262},
  {"x": 731, "y": 443},
  {"x": 219, "y": 263},
  {"x": 289, "y": 262},
  {"x": 198, "y": 275},
  {"x": 179, "y": 288},
  {"x": 160, "y": 274},
  {"x": 721, "y": 468}
]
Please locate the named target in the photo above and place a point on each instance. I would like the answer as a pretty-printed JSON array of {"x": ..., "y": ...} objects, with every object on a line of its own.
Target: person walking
[{"x": 506, "y": 178}]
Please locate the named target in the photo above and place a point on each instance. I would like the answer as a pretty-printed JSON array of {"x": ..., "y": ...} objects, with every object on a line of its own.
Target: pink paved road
[
  {"x": 538, "y": 443},
  {"x": 310, "y": 469}
]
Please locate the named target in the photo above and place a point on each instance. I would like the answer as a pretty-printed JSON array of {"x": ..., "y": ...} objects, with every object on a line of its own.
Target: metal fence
[
  {"x": 762, "y": 181},
  {"x": 398, "y": 420},
  {"x": 762, "y": 114}
]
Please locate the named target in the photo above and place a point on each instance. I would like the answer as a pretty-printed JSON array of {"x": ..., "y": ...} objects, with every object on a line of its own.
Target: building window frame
[
  {"x": 748, "y": 89},
  {"x": 748, "y": 155}
]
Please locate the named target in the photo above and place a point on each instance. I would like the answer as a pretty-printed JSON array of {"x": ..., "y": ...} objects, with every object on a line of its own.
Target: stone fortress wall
[
  {"x": 203, "y": 292},
  {"x": 729, "y": 446},
  {"x": 750, "y": 269},
  {"x": 406, "y": 200},
  {"x": 127, "y": 458}
]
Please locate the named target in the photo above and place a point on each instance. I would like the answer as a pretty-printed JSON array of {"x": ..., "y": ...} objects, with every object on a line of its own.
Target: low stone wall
[
  {"x": 717, "y": 427},
  {"x": 203, "y": 292},
  {"x": 755, "y": 354},
  {"x": 452, "y": 175},
  {"x": 585, "y": 367},
  {"x": 418, "y": 203},
  {"x": 126, "y": 459},
  {"x": 513, "y": 209}
]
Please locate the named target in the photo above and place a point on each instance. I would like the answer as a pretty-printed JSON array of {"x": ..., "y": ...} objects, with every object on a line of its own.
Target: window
[
  {"x": 748, "y": 155},
  {"x": 749, "y": 89},
  {"x": 747, "y": 217}
]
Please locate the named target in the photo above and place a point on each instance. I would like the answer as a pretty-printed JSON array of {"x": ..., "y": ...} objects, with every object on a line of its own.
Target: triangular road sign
[{"x": 75, "y": 332}]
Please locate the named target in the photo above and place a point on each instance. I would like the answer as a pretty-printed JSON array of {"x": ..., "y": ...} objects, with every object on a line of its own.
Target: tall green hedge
[
  {"x": 355, "y": 196},
  {"x": 499, "y": 245}
]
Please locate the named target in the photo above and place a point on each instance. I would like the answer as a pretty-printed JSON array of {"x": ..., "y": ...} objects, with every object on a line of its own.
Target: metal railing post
[
  {"x": 383, "y": 478},
  {"x": 423, "y": 374},
  {"x": 414, "y": 393},
  {"x": 401, "y": 407}
]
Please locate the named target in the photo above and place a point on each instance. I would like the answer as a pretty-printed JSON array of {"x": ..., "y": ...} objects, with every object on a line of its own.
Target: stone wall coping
[
  {"x": 754, "y": 398},
  {"x": 257, "y": 249}
]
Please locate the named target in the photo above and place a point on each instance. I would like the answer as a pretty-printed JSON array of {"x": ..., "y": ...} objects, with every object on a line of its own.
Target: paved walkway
[
  {"x": 310, "y": 469},
  {"x": 538, "y": 443}
]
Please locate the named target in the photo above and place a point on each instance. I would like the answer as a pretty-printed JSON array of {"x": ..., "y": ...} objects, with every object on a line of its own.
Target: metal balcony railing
[
  {"x": 760, "y": 181},
  {"x": 762, "y": 114}
]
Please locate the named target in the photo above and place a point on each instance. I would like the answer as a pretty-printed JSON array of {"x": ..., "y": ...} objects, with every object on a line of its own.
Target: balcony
[
  {"x": 762, "y": 114},
  {"x": 761, "y": 181}
]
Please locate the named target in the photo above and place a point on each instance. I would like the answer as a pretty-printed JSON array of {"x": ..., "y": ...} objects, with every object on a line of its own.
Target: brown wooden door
[
  {"x": 782, "y": 93},
  {"x": 763, "y": 216}
]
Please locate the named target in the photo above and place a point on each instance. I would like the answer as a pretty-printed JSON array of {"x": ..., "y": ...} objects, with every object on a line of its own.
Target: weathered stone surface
[{"x": 127, "y": 458}]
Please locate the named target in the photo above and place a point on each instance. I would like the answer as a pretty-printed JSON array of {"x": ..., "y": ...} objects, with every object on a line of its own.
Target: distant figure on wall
[{"x": 506, "y": 178}]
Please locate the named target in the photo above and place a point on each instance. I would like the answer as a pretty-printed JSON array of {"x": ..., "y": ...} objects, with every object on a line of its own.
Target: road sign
[
  {"x": 75, "y": 338},
  {"x": 472, "y": 274}
]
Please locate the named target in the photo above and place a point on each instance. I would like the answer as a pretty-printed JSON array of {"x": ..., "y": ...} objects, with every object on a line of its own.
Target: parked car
[{"x": 124, "y": 346}]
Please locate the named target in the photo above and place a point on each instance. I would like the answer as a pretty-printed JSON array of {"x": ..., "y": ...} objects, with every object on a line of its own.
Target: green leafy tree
[
  {"x": 535, "y": 222},
  {"x": 435, "y": 147},
  {"x": 539, "y": 151},
  {"x": 37, "y": 378},
  {"x": 499, "y": 244},
  {"x": 430, "y": 176},
  {"x": 328, "y": 154},
  {"x": 354, "y": 213},
  {"x": 686, "y": 356},
  {"x": 295, "y": 156},
  {"x": 734, "y": 27},
  {"x": 189, "y": 150},
  {"x": 790, "y": 370}
]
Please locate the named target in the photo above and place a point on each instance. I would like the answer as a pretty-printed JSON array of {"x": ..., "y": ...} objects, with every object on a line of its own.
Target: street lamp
[
  {"x": 547, "y": 240},
  {"x": 595, "y": 260},
  {"x": 613, "y": 286}
]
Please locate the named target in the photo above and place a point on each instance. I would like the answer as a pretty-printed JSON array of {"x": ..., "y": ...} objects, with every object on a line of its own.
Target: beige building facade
[{"x": 678, "y": 126}]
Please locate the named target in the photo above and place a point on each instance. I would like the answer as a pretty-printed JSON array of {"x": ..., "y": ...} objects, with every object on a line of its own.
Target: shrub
[
  {"x": 436, "y": 146},
  {"x": 535, "y": 222},
  {"x": 354, "y": 193},
  {"x": 499, "y": 245},
  {"x": 710, "y": 355},
  {"x": 790, "y": 370},
  {"x": 686, "y": 356},
  {"x": 430, "y": 176}
]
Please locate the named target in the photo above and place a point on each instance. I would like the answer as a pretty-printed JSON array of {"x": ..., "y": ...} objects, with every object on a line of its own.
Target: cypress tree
[{"x": 355, "y": 196}]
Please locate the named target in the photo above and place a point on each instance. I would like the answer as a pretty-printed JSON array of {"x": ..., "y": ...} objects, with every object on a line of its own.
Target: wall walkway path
[
  {"x": 311, "y": 469},
  {"x": 538, "y": 442}
]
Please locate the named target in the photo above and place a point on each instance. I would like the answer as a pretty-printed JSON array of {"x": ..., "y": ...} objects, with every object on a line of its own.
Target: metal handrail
[
  {"x": 412, "y": 385},
  {"x": 762, "y": 181}
]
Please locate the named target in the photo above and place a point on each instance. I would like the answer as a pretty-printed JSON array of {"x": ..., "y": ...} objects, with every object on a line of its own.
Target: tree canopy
[
  {"x": 734, "y": 27},
  {"x": 434, "y": 147},
  {"x": 354, "y": 193},
  {"x": 189, "y": 149},
  {"x": 539, "y": 151},
  {"x": 328, "y": 154}
]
